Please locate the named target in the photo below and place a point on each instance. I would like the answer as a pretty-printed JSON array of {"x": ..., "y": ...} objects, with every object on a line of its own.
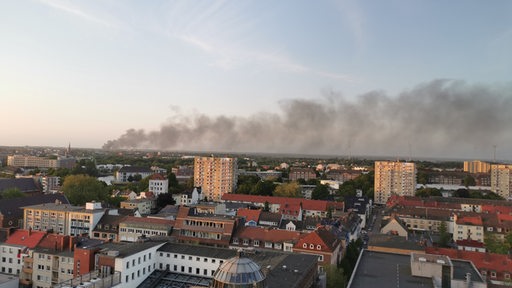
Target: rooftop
[{"x": 26, "y": 238}]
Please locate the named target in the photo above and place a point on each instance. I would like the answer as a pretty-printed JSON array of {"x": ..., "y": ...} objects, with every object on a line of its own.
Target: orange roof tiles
[
  {"x": 470, "y": 220},
  {"x": 249, "y": 214},
  {"x": 321, "y": 236},
  {"x": 291, "y": 204},
  {"x": 267, "y": 235},
  {"x": 26, "y": 238},
  {"x": 483, "y": 261}
]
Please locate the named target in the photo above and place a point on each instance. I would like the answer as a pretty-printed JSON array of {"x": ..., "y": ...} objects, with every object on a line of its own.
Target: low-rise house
[
  {"x": 132, "y": 229},
  {"x": 297, "y": 173},
  {"x": 321, "y": 243},
  {"x": 142, "y": 205},
  {"x": 158, "y": 184},
  {"x": 265, "y": 238},
  {"x": 468, "y": 227},
  {"x": 127, "y": 173},
  {"x": 15, "y": 248},
  {"x": 306, "y": 224},
  {"x": 188, "y": 197},
  {"x": 250, "y": 216},
  {"x": 470, "y": 245},
  {"x": 27, "y": 186},
  {"x": 270, "y": 219},
  {"x": 360, "y": 205},
  {"x": 394, "y": 227},
  {"x": 107, "y": 228}
]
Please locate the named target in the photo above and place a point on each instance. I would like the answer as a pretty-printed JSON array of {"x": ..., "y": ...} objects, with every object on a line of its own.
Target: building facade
[
  {"x": 158, "y": 184},
  {"x": 216, "y": 176},
  {"x": 501, "y": 180},
  {"x": 476, "y": 166},
  {"x": 393, "y": 177}
]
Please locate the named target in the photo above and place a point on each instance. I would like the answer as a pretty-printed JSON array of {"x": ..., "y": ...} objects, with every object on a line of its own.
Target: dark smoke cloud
[{"x": 441, "y": 118}]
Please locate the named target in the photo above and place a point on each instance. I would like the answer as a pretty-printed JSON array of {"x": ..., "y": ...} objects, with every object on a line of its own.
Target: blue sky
[{"x": 86, "y": 71}]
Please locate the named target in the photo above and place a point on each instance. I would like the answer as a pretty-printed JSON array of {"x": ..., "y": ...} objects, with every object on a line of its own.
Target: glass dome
[{"x": 239, "y": 272}]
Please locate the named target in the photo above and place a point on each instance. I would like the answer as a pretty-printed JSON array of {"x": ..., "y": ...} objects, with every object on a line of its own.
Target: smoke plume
[{"x": 441, "y": 118}]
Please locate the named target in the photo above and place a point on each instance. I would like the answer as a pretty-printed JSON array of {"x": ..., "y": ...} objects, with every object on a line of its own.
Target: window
[
  {"x": 318, "y": 247},
  {"x": 127, "y": 264},
  {"x": 311, "y": 246},
  {"x": 126, "y": 279},
  {"x": 304, "y": 245}
]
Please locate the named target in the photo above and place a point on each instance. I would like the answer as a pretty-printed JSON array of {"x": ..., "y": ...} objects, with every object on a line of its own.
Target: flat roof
[
  {"x": 383, "y": 270},
  {"x": 462, "y": 267}
]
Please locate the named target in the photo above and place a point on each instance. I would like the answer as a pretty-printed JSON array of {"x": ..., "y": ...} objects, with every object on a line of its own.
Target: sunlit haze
[{"x": 421, "y": 78}]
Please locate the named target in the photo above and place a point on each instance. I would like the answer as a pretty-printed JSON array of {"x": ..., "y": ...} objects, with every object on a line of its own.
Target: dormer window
[
  {"x": 304, "y": 245},
  {"x": 311, "y": 246},
  {"x": 318, "y": 247}
]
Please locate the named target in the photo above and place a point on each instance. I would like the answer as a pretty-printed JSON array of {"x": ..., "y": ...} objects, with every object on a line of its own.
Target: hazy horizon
[{"x": 336, "y": 77}]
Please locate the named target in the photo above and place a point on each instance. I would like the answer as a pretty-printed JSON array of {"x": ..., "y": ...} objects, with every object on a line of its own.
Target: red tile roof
[
  {"x": 25, "y": 238},
  {"x": 483, "y": 261},
  {"x": 291, "y": 204},
  {"x": 470, "y": 220},
  {"x": 157, "y": 176},
  {"x": 470, "y": 243},
  {"x": 496, "y": 209},
  {"x": 249, "y": 214},
  {"x": 321, "y": 236},
  {"x": 267, "y": 235}
]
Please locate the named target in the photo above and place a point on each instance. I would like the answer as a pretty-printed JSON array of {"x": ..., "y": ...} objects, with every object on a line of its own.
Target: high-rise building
[
  {"x": 501, "y": 180},
  {"x": 394, "y": 177},
  {"x": 476, "y": 166},
  {"x": 216, "y": 176}
]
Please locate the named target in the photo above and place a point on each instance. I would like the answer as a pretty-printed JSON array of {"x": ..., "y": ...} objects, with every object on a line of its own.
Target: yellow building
[
  {"x": 501, "y": 180},
  {"x": 216, "y": 176},
  {"x": 394, "y": 177},
  {"x": 476, "y": 167}
]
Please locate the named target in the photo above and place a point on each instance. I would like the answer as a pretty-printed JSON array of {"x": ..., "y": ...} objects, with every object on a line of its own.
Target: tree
[
  {"x": 495, "y": 245},
  {"x": 264, "y": 188},
  {"x": 461, "y": 193},
  {"x": 469, "y": 181},
  {"x": 422, "y": 177},
  {"x": 80, "y": 189},
  {"x": 174, "y": 185},
  {"x": 335, "y": 277},
  {"x": 291, "y": 189},
  {"x": 444, "y": 236},
  {"x": 164, "y": 199},
  {"x": 11, "y": 193},
  {"x": 428, "y": 192},
  {"x": 321, "y": 192},
  {"x": 266, "y": 206}
]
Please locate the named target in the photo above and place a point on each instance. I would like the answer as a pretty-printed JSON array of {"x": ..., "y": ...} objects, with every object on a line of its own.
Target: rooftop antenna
[
  {"x": 494, "y": 153},
  {"x": 410, "y": 152}
]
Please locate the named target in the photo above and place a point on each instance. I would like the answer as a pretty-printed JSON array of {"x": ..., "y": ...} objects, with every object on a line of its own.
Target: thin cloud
[{"x": 77, "y": 11}]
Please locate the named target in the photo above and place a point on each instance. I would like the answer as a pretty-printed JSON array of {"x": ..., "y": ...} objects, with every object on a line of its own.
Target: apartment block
[
  {"x": 501, "y": 180},
  {"x": 40, "y": 162},
  {"x": 158, "y": 184},
  {"x": 62, "y": 218},
  {"x": 394, "y": 177},
  {"x": 476, "y": 166},
  {"x": 216, "y": 176}
]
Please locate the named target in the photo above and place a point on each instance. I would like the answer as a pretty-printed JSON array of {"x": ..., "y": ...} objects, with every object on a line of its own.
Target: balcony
[
  {"x": 27, "y": 270},
  {"x": 28, "y": 260},
  {"x": 25, "y": 281}
]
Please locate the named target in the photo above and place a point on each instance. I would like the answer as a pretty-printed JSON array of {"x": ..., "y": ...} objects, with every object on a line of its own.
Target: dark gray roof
[
  {"x": 23, "y": 184},
  {"x": 270, "y": 217},
  {"x": 462, "y": 267},
  {"x": 10, "y": 208},
  {"x": 384, "y": 270},
  {"x": 128, "y": 249},
  {"x": 357, "y": 204},
  {"x": 395, "y": 241},
  {"x": 111, "y": 220},
  {"x": 135, "y": 169}
]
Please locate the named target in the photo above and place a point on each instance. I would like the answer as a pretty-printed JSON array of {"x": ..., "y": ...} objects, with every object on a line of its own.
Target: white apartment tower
[
  {"x": 501, "y": 180},
  {"x": 216, "y": 176},
  {"x": 394, "y": 177}
]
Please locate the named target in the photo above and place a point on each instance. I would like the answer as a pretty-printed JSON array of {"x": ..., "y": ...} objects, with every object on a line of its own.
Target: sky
[{"x": 391, "y": 78}]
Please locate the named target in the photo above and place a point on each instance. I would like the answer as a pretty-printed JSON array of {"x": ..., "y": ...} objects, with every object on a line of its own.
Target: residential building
[
  {"x": 206, "y": 229},
  {"x": 26, "y": 185},
  {"x": 188, "y": 197},
  {"x": 495, "y": 268},
  {"x": 62, "y": 218},
  {"x": 394, "y": 226},
  {"x": 107, "y": 228},
  {"x": 15, "y": 248},
  {"x": 11, "y": 211},
  {"x": 216, "y": 176},
  {"x": 127, "y": 173},
  {"x": 50, "y": 184},
  {"x": 394, "y": 177},
  {"x": 476, "y": 166},
  {"x": 501, "y": 180},
  {"x": 40, "y": 162},
  {"x": 297, "y": 173},
  {"x": 468, "y": 227},
  {"x": 142, "y": 205},
  {"x": 321, "y": 243},
  {"x": 265, "y": 238},
  {"x": 131, "y": 229},
  {"x": 158, "y": 184}
]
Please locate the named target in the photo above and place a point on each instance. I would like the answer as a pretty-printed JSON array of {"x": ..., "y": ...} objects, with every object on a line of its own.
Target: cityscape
[{"x": 242, "y": 144}]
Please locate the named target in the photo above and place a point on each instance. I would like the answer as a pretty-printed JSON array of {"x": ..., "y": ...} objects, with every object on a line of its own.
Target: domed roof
[{"x": 239, "y": 271}]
